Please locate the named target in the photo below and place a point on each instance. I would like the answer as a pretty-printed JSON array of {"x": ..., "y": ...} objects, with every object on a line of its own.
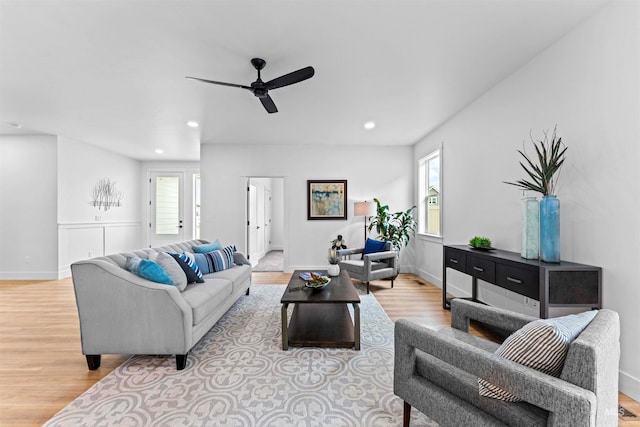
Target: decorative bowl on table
[{"x": 315, "y": 281}]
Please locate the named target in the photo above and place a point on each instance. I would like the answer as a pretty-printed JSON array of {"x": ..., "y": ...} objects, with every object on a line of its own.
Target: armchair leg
[
  {"x": 406, "y": 415},
  {"x": 247, "y": 291},
  {"x": 392, "y": 283}
]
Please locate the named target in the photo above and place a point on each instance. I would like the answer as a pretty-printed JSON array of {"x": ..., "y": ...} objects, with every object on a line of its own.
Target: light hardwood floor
[{"x": 42, "y": 368}]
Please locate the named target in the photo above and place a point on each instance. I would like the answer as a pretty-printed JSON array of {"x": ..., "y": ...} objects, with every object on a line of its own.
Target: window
[
  {"x": 167, "y": 204},
  {"x": 429, "y": 217}
]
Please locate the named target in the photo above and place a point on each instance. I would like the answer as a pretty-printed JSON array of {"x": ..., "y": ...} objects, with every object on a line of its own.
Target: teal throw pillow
[
  {"x": 149, "y": 270},
  {"x": 207, "y": 247}
]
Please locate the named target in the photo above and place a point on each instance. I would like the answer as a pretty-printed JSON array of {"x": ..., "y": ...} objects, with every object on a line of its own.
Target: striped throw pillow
[
  {"x": 192, "y": 264},
  {"x": 541, "y": 345},
  {"x": 223, "y": 258}
]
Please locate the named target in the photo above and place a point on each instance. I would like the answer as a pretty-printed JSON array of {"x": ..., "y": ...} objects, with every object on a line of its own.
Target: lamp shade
[{"x": 364, "y": 209}]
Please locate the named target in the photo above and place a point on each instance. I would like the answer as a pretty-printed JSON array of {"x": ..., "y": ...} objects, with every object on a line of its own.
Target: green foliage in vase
[
  {"x": 543, "y": 172},
  {"x": 397, "y": 228},
  {"x": 480, "y": 242}
]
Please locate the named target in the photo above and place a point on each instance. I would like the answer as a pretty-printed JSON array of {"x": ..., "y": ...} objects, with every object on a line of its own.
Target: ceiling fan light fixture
[
  {"x": 369, "y": 125},
  {"x": 192, "y": 124}
]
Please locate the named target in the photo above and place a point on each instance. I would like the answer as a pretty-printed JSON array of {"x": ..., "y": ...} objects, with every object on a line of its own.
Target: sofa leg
[
  {"x": 181, "y": 361},
  {"x": 367, "y": 288},
  {"x": 391, "y": 283},
  {"x": 248, "y": 291},
  {"x": 93, "y": 361},
  {"x": 406, "y": 415}
]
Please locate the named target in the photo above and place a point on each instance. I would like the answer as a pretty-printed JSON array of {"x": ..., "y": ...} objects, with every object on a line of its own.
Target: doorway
[
  {"x": 265, "y": 223},
  {"x": 166, "y": 208}
]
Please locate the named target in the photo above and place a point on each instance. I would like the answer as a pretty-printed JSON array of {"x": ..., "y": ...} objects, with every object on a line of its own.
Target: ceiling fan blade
[
  {"x": 268, "y": 104},
  {"x": 219, "y": 83},
  {"x": 291, "y": 78}
]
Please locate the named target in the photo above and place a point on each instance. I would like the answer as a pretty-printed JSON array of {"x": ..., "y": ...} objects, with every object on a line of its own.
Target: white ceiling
[{"x": 111, "y": 73}]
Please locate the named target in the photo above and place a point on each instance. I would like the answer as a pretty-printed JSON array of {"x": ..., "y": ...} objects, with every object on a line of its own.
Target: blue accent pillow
[
  {"x": 223, "y": 258},
  {"x": 149, "y": 270},
  {"x": 372, "y": 246},
  {"x": 203, "y": 262},
  {"x": 192, "y": 264},
  {"x": 207, "y": 247},
  {"x": 192, "y": 277}
]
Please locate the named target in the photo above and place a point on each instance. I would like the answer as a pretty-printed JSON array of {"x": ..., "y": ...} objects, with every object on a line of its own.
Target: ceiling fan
[{"x": 261, "y": 89}]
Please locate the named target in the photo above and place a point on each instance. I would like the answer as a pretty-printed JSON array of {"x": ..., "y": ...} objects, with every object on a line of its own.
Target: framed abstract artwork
[{"x": 327, "y": 199}]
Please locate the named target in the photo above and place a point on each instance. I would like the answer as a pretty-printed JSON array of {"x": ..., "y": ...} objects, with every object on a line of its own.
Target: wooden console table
[{"x": 565, "y": 284}]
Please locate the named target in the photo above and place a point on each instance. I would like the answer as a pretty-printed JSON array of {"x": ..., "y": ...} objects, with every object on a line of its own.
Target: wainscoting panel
[{"x": 78, "y": 241}]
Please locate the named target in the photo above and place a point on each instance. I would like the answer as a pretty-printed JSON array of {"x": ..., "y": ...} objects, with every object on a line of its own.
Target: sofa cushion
[
  {"x": 541, "y": 345},
  {"x": 207, "y": 247},
  {"x": 149, "y": 270},
  {"x": 206, "y": 297},
  {"x": 238, "y": 275}
]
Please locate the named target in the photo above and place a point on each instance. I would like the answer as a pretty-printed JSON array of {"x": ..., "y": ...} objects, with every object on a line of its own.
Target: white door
[
  {"x": 253, "y": 223},
  {"x": 166, "y": 215},
  {"x": 267, "y": 220},
  {"x": 260, "y": 222}
]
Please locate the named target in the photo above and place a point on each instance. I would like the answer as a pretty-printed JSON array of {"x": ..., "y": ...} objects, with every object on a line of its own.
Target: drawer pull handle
[
  {"x": 478, "y": 269},
  {"x": 511, "y": 279},
  {"x": 455, "y": 261}
]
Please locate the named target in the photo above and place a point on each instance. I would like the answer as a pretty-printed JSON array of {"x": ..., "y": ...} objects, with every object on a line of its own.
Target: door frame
[
  {"x": 285, "y": 215},
  {"x": 188, "y": 200}
]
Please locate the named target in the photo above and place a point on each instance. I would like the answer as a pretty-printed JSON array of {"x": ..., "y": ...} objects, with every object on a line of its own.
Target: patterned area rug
[{"x": 237, "y": 375}]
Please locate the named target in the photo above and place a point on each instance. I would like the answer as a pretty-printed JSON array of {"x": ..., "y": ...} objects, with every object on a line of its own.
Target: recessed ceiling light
[
  {"x": 159, "y": 151},
  {"x": 192, "y": 124},
  {"x": 369, "y": 125},
  {"x": 16, "y": 125}
]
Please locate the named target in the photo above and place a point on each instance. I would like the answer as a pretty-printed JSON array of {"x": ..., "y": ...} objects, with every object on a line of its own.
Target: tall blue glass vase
[{"x": 550, "y": 229}]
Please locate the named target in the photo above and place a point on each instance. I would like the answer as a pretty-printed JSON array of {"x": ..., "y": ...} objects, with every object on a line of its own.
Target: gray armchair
[
  {"x": 375, "y": 266},
  {"x": 437, "y": 372}
]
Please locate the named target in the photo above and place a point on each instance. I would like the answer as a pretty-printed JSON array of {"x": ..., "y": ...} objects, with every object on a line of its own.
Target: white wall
[
  {"x": 383, "y": 172},
  {"x": 84, "y": 230},
  {"x": 277, "y": 214},
  {"x": 587, "y": 83},
  {"x": 28, "y": 203}
]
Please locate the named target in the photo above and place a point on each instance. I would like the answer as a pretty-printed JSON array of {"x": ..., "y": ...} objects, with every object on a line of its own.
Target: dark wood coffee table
[{"x": 321, "y": 318}]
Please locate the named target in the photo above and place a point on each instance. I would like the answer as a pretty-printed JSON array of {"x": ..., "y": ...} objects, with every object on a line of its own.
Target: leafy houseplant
[
  {"x": 480, "y": 242},
  {"x": 544, "y": 172},
  {"x": 397, "y": 228}
]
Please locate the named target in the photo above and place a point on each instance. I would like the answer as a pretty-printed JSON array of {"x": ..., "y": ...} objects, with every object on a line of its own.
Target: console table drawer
[
  {"x": 456, "y": 260},
  {"x": 482, "y": 269},
  {"x": 523, "y": 282}
]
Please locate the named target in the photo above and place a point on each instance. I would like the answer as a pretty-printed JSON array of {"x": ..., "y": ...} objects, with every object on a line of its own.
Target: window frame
[{"x": 423, "y": 193}]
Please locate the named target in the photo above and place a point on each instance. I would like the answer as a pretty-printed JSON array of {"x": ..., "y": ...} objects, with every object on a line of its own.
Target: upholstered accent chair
[
  {"x": 372, "y": 266},
  {"x": 437, "y": 372}
]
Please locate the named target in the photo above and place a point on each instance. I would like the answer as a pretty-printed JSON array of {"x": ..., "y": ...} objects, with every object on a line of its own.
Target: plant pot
[
  {"x": 333, "y": 270},
  {"x": 550, "y": 229}
]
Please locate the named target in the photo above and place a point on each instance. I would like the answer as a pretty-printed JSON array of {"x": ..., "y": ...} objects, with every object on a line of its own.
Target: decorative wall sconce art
[{"x": 105, "y": 195}]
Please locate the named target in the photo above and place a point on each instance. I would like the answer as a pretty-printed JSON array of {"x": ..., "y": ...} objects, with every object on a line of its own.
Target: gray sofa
[
  {"x": 437, "y": 372},
  {"x": 121, "y": 313}
]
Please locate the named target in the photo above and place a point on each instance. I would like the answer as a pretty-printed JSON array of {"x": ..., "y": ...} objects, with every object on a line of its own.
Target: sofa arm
[
  {"x": 346, "y": 252},
  {"x": 462, "y": 311},
  {"x": 569, "y": 404},
  {"x": 123, "y": 313}
]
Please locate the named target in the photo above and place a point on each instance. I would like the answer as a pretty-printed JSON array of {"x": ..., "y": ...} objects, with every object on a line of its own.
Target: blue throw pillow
[
  {"x": 203, "y": 263},
  {"x": 207, "y": 247},
  {"x": 373, "y": 246},
  {"x": 223, "y": 258},
  {"x": 192, "y": 277},
  {"x": 192, "y": 264},
  {"x": 149, "y": 270}
]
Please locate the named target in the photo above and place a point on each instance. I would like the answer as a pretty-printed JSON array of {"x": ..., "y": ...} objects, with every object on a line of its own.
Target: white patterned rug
[{"x": 237, "y": 375}]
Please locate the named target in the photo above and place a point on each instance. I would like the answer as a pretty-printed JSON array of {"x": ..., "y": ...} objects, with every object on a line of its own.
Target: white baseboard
[
  {"x": 64, "y": 272},
  {"x": 629, "y": 385},
  {"x": 427, "y": 276},
  {"x": 29, "y": 275}
]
